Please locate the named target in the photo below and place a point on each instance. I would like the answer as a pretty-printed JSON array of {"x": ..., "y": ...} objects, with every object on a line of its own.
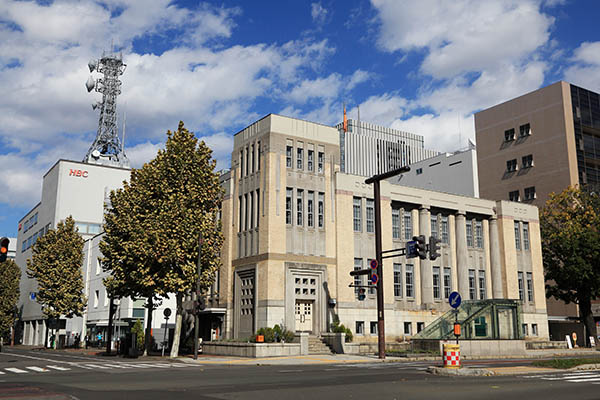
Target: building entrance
[{"x": 304, "y": 313}]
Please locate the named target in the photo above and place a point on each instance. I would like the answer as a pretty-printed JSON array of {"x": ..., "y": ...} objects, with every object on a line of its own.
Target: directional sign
[
  {"x": 411, "y": 249},
  {"x": 374, "y": 263},
  {"x": 454, "y": 299},
  {"x": 374, "y": 279}
]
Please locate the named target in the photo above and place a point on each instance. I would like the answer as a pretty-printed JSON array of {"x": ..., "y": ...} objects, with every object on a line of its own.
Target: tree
[
  {"x": 9, "y": 295},
  {"x": 56, "y": 266},
  {"x": 151, "y": 245},
  {"x": 570, "y": 229}
]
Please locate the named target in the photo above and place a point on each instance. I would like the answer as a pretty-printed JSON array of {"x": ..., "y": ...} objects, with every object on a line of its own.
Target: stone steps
[{"x": 317, "y": 346}]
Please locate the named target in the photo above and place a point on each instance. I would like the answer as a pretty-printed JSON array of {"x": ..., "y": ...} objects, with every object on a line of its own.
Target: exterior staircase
[{"x": 317, "y": 346}]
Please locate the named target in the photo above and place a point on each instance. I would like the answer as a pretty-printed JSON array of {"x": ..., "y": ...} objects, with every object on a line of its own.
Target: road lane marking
[
  {"x": 58, "y": 368},
  {"x": 38, "y": 369},
  {"x": 97, "y": 366},
  {"x": 584, "y": 380},
  {"x": 16, "y": 370}
]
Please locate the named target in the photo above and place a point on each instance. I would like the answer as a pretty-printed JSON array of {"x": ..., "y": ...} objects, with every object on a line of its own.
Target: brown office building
[{"x": 536, "y": 144}]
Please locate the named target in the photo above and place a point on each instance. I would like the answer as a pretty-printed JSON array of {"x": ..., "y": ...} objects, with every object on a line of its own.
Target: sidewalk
[{"x": 298, "y": 360}]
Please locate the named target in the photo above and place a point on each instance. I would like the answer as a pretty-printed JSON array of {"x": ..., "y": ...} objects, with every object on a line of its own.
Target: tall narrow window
[
  {"x": 447, "y": 283},
  {"x": 288, "y": 156},
  {"x": 395, "y": 223},
  {"x": 408, "y": 232},
  {"x": 240, "y": 209},
  {"x": 357, "y": 278},
  {"x": 321, "y": 209},
  {"x": 288, "y": 205},
  {"x": 445, "y": 232},
  {"x": 246, "y": 212},
  {"x": 409, "y": 281},
  {"x": 310, "y": 164},
  {"x": 525, "y": 235},
  {"x": 299, "y": 207},
  {"x": 482, "y": 293},
  {"x": 436, "y": 283},
  {"x": 247, "y": 168},
  {"x": 370, "y": 216},
  {"x": 257, "y": 206},
  {"x": 357, "y": 211},
  {"x": 434, "y": 226},
  {"x": 479, "y": 234},
  {"x": 520, "y": 279},
  {"x": 514, "y": 195},
  {"x": 251, "y": 210},
  {"x": 252, "y": 159},
  {"x": 321, "y": 161},
  {"x": 529, "y": 286},
  {"x": 469, "y": 233},
  {"x": 310, "y": 210},
  {"x": 300, "y": 158},
  {"x": 397, "y": 280},
  {"x": 242, "y": 163},
  {"x": 517, "y": 236},
  {"x": 472, "y": 284},
  {"x": 258, "y": 156}
]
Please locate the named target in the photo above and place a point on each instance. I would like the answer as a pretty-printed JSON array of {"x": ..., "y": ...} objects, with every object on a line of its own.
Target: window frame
[
  {"x": 396, "y": 225},
  {"x": 299, "y": 207},
  {"x": 517, "y": 229},
  {"x": 370, "y": 216},
  {"x": 437, "y": 284},
  {"x": 511, "y": 195},
  {"x": 397, "y": 280},
  {"x": 472, "y": 285},
  {"x": 310, "y": 209},
  {"x": 357, "y": 213},
  {"x": 407, "y": 224},
  {"x": 509, "y": 135},
  {"x": 447, "y": 280},
  {"x": 289, "y": 207},
  {"x": 512, "y": 165},
  {"x": 409, "y": 283},
  {"x": 310, "y": 155},
  {"x": 321, "y": 209},
  {"x": 289, "y": 154}
]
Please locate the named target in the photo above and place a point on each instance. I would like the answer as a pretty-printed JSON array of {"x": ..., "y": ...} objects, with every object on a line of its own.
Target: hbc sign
[{"x": 78, "y": 173}]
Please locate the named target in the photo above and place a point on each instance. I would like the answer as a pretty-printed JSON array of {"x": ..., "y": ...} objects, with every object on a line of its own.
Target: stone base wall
[
  {"x": 251, "y": 349},
  {"x": 477, "y": 348}
]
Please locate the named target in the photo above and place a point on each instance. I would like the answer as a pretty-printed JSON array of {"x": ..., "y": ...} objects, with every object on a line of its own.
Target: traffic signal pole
[
  {"x": 375, "y": 180},
  {"x": 197, "y": 299}
]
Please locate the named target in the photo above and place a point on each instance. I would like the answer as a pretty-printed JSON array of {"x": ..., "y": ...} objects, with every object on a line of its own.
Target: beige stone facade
[{"x": 295, "y": 227}]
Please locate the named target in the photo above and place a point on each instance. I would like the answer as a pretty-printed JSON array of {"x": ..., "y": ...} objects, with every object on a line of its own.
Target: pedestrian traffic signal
[
  {"x": 421, "y": 246},
  {"x": 434, "y": 248},
  {"x": 4, "y": 248},
  {"x": 361, "y": 294}
]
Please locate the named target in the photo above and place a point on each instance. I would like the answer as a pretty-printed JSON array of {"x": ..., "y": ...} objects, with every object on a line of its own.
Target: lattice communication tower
[{"x": 107, "y": 149}]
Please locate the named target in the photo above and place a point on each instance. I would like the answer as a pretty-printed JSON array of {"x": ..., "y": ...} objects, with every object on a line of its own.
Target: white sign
[
  {"x": 569, "y": 343},
  {"x": 592, "y": 341}
]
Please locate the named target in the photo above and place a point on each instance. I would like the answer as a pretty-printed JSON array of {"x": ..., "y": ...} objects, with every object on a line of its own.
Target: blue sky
[{"x": 421, "y": 66}]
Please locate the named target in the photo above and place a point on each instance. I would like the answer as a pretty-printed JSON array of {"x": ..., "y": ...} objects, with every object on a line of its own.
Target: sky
[{"x": 420, "y": 66}]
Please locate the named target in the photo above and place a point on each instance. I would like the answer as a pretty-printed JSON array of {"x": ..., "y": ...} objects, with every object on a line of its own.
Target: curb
[{"x": 460, "y": 371}]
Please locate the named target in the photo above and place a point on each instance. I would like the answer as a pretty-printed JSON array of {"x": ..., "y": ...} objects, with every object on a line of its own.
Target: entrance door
[{"x": 304, "y": 312}]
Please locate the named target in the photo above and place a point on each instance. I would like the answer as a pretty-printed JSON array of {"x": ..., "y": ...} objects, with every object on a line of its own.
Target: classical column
[
  {"x": 462, "y": 257},
  {"x": 426, "y": 271},
  {"x": 496, "y": 266}
]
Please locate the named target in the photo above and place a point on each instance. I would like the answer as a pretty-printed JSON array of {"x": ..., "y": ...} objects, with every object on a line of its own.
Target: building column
[
  {"x": 426, "y": 271},
  {"x": 462, "y": 257},
  {"x": 496, "y": 267}
]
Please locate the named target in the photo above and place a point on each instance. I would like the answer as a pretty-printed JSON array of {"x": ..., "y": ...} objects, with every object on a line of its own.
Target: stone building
[{"x": 295, "y": 226}]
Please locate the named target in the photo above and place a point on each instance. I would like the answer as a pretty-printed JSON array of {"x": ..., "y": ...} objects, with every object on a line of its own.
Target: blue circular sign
[
  {"x": 374, "y": 279},
  {"x": 454, "y": 299},
  {"x": 374, "y": 263}
]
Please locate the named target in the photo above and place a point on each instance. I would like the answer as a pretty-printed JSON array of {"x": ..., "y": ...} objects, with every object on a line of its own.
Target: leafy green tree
[
  {"x": 138, "y": 329},
  {"x": 570, "y": 228},
  {"x": 151, "y": 244},
  {"x": 56, "y": 266},
  {"x": 9, "y": 295}
]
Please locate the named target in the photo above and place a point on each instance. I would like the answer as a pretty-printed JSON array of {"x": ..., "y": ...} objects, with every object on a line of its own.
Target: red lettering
[
  {"x": 72, "y": 172},
  {"x": 84, "y": 174},
  {"x": 78, "y": 172}
]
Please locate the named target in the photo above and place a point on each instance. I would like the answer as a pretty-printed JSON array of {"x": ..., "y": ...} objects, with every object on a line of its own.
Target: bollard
[{"x": 451, "y": 356}]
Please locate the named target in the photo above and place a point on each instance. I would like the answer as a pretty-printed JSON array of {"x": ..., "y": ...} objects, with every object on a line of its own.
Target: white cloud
[
  {"x": 318, "y": 13},
  {"x": 585, "y": 70}
]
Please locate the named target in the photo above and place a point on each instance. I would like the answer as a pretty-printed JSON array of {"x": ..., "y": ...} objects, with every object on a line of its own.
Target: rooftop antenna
[{"x": 106, "y": 148}]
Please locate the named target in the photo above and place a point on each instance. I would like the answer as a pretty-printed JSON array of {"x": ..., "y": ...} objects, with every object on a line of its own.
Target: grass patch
[{"x": 565, "y": 363}]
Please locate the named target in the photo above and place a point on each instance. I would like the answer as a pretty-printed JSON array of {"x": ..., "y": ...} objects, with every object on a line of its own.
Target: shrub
[
  {"x": 268, "y": 333},
  {"x": 275, "y": 334},
  {"x": 138, "y": 329},
  {"x": 336, "y": 327}
]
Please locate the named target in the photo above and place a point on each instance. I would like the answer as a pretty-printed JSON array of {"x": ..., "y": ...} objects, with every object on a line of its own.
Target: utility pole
[
  {"x": 197, "y": 300},
  {"x": 375, "y": 180}
]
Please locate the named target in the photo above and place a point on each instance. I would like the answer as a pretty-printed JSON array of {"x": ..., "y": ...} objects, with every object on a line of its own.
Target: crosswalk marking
[
  {"x": 16, "y": 370},
  {"x": 58, "y": 368},
  {"x": 96, "y": 366},
  {"x": 118, "y": 365},
  {"x": 2, "y": 373},
  {"x": 91, "y": 366},
  {"x": 38, "y": 369},
  {"x": 587, "y": 379}
]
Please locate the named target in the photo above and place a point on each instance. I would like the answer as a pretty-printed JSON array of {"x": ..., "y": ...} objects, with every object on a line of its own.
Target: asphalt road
[{"x": 45, "y": 375}]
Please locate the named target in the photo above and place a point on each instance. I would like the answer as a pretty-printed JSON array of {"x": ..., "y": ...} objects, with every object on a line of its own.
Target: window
[
  {"x": 246, "y": 212},
  {"x": 434, "y": 227},
  {"x": 408, "y": 328},
  {"x": 527, "y": 161},
  {"x": 360, "y": 327},
  {"x": 299, "y": 207},
  {"x": 257, "y": 206},
  {"x": 288, "y": 205},
  {"x": 530, "y": 193},
  {"x": 514, "y": 195},
  {"x": 407, "y": 225},
  {"x": 447, "y": 283},
  {"x": 509, "y": 135},
  {"x": 469, "y": 233},
  {"x": 529, "y": 286},
  {"x": 242, "y": 163},
  {"x": 373, "y": 327},
  {"x": 534, "y": 329},
  {"x": 524, "y": 130},
  {"x": 252, "y": 159},
  {"x": 517, "y": 236},
  {"x": 525, "y": 330},
  {"x": 321, "y": 209},
  {"x": 258, "y": 156},
  {"x": 482, "y": 293},
  {"x": 479, "y": 234},
  {"x": 320, "y": 161},
  {"x": 419, "y": 171},
  {"x": 397, "y": 280},
  {"x": 357, "y": 211},
  {"x": 251, "y": 210},
  {"x": 420, "y": 326},
  {"x": 370, "y": 216},
  {"x": 445, "y": 234},
  {"x": 511, "y": 165},
  {"x": 525, "y": 235},
  {"x": 241, "y": 207},
  {"x": 310, "y": 162},
  {"x": 96, "y": 298},
  {"x": 395, "y": 223},
  {"x": 310, "y": 209},
  {"x": 472, "y": 287},
  {"x": 520, "y": 279},
  {"x": 358, "y": 278},
  {"x": 436, "y": 283},
  {"x": 300, "y": 158},
  {"x": 288, "y": 156},
  {"x": 409, "y": 281}
]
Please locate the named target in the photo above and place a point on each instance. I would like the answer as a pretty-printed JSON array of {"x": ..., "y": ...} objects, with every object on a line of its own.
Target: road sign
[
  {"x": 411, "y": 249},
  {"x": 454, "y": 299},
  {"x": 374, "y": 279},
  {"x": 374, "y": 263},
  {"x": 167, "y": 312},
  {"x": 32, "y": 295}
]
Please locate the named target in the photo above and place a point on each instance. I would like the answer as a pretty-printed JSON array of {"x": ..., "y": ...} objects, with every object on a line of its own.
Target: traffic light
[
  {"x": 434, "y": 248},
  {"x": 421, "y": 246},
  {"x": 361, "y": 294},
  {"x": 4, "y": 249}
]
